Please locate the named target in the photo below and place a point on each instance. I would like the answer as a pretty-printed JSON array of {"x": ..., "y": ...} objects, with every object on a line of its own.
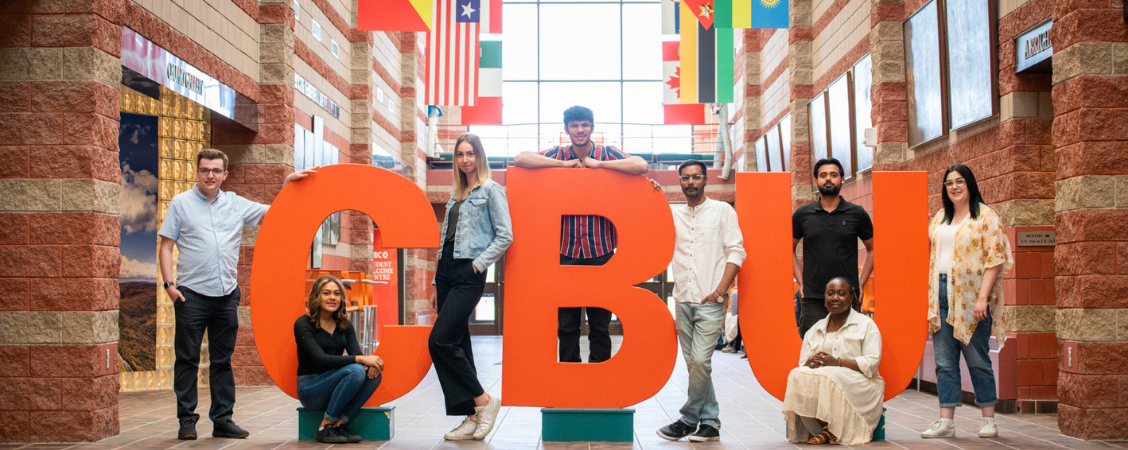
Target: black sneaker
[
  {"x": 343, "y": 429},
  {"x": 705, "y": 434},
  {"x": 228, "y": 429},
  {"x": 330, "y": 434},
  {"x": 676, "y": 430},
  {"x": 187, "y": 430}
]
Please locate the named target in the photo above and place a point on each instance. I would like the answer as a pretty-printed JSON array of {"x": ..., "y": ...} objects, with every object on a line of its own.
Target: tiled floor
[{"x": 750, "y": 419}]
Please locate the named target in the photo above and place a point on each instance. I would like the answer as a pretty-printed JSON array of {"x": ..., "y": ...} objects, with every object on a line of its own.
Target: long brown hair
[
  {"x": 462, "y": 186},
  {"x": 313, "y": 303}
]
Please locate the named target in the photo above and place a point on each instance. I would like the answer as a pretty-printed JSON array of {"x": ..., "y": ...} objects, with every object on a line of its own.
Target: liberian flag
[
  {"x": 488, "y": 109},
  {"x": 394, "y": 15},
  {"x": 452, "y": 53},
  {"x": 674, "y": 111}
]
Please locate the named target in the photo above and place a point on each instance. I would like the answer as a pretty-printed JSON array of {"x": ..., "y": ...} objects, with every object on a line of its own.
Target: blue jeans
[
  {"x": 338, "y": 392},
  {"x": 946, "y": 351},
  {"x": 698, "y": 328}
]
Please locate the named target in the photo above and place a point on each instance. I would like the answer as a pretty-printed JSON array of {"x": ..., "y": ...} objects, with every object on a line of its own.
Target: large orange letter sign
[
  {"x": 278, "y": 272},
  {"x": 767, "y": 319},
  {"x": 537, "y": 285}
]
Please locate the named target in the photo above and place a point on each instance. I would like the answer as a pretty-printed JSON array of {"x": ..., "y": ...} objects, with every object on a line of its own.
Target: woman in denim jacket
[{"x": 476, "y": 231}]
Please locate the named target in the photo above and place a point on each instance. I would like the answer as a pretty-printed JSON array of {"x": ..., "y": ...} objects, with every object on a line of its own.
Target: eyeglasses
[
  {"x": 956, "y": 182},
  {"x": 694, "y": 177},
  {"x": 577, "y": 126},
  {"x": 211, "y": 171}
]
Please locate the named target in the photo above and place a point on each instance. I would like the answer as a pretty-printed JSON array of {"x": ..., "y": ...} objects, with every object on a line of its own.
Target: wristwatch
[
  {"x": 720, "y": 298},
  {"x": 167, "y": 284}
]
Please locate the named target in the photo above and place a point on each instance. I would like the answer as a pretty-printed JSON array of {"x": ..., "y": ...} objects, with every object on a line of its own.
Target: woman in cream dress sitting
[{"x": 835, "y": 396}]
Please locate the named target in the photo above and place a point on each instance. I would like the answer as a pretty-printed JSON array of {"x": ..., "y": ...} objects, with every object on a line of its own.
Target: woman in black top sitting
[{"x": 329, "y": 379}]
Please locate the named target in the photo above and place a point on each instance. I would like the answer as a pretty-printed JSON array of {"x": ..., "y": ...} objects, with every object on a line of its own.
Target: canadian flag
[{"x": 675, "y": 112}]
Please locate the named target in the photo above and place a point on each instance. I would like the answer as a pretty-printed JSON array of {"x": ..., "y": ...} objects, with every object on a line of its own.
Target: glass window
[
  {"x": 863, "y": 82},
  {"x": 761, "y": 156},
  {"x": 604, "y": 99},
  {"x": 775, "y": 161},
  {"x": 841, "y": 137},
  {"x": 922, "y": 59},
  {"x": 519, "y": 42},
  {"x": 969, "y": 25},
  {"x": 518, "y": 102},
  {"x": 785, "y": 137},
  {"x": 642, "y": 102},
  {"x": 642, "y": 31},
  {"x": 571, "y": 52},
  {"x": 818, "y": 128}
]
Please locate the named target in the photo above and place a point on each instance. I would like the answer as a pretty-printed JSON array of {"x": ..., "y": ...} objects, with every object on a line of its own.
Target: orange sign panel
[
  {"x": 537, "y": 286},
  {"x": 278, "y": 293},
  {"x": 900, "y": 205}
]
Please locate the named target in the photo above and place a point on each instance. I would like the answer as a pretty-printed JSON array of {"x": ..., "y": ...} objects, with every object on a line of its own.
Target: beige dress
[{"x": 848, "y": 400}]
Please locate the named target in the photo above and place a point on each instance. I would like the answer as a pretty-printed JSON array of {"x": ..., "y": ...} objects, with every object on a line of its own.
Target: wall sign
[
  {"x": 1033, "y": 50},
  {"x": 1036, "y": 238},
  {"x": 155, "y": 63},
  {"x": 306, "y": 88}
]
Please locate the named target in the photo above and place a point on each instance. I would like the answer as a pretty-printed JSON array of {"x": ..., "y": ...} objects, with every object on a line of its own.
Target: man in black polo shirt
[{"x": 829, "y": 228}]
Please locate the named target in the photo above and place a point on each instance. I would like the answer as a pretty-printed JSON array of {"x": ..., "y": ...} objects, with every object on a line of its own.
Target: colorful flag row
[
  {"x": 418, "y": 15},
  {"x": 729, "y": 14}
]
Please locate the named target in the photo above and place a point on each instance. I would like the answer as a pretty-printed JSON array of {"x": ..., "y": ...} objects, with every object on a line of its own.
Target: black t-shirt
[
  {"x": 830, "y": 243},
  {"x": 319, "y": 351},
  {"x": 452, "y": 221}
]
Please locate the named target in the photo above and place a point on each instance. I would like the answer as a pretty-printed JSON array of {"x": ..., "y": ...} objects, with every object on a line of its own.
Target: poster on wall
[{"x": 137, "y": 281}]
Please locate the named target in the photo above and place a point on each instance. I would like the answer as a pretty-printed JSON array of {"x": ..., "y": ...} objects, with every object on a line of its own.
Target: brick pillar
[
  {"x": 59, "y": 228},
  {"x": 752, "y": 106},
  {"x": 419, "y": 264},
  {"x": 259, "y": 161},
  {"x": 1090, "y": 101},
  {"x": 889, "y": 111},
  {"x": 360, "y": 148},
  {"x": 801, "y": 78}
]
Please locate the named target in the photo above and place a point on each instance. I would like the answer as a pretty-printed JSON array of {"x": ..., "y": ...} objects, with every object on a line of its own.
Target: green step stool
[
  {"x": 878, "y": 433},
  {"x": 372, "y": 424},
  {"x": 587, "y": 425}
]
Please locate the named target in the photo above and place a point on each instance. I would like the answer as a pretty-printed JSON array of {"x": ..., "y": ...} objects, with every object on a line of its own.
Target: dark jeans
[
  {"x": 458, "y": 291},
  {"x": 599, "y": 323},
  {"x": 946, "y": 351},
  {"x": 220, "y": 316},
  {"x": 339, "y": 392},
  {"x": 814, "y": 310}
]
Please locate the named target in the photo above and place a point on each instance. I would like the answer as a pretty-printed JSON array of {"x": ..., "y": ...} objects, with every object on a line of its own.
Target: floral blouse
[{"x": 980, "y": 243}]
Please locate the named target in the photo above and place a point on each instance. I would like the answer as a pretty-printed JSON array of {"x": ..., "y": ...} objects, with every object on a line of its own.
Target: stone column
[
  {"x": 752, "y": 106},
  {"x": 888, "y": 95},
  {"x": 800, "y": 76},
  {"x": 1090, "y": 102},
  {"x": 419, "y": 264},
  {"x": 59, "y": 226}
]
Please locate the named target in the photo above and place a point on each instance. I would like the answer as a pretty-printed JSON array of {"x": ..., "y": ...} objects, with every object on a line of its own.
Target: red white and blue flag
[{"x": 452, "y": 53}]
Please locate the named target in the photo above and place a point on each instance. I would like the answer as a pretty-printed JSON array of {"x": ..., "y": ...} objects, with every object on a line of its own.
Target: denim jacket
[{"x": 484, "y": 230}]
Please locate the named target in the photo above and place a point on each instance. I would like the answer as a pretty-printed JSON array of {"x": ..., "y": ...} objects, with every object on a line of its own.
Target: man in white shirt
[{"x": 708, "y": 251}]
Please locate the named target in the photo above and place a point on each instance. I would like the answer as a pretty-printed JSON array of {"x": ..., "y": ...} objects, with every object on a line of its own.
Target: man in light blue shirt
[{"x": 206, "y": 224}]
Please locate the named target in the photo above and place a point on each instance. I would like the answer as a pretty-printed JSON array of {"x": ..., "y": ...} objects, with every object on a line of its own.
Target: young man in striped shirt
[{"x": 584, "y": 240}]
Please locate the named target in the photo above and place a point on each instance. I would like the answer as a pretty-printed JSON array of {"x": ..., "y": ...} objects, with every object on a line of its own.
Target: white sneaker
[
  {"x": 942, "y": 428},
  {"x": 463, "y": 431},
  {"x": 988, "y": 429},
  {"x": 486, "y": 417}
]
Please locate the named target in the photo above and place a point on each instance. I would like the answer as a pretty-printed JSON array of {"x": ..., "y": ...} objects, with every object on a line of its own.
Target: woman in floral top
[{"x": 969, "y": 253}]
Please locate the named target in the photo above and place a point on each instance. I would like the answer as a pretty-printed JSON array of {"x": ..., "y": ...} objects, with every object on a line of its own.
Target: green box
[
  {"x": 372, "y": 424},
  {"x": 587, "y": 425},
  {"x": 879, "y": 432}
]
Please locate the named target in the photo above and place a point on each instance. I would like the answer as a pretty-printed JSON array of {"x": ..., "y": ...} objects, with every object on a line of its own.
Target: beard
[{"x": 824, "y": 191}]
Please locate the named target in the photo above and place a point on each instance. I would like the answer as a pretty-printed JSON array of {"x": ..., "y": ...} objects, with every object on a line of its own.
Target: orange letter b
[{"x": 537, "y": 286}]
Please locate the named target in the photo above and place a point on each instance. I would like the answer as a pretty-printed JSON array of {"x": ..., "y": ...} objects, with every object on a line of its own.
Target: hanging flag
[
  {"x": 452, "y": 54},
  {"x": 394, "y": 15},
  {"x": 673, "y": 111},
  {"x": 671, "y": 9},
  {"x": 764, "y": 14},
  {"x": 706, "y": 62},
  {"x": 487, "y": 111},
  {"x": 491, "y": 16},
  {"x": 702, "y": 10}
]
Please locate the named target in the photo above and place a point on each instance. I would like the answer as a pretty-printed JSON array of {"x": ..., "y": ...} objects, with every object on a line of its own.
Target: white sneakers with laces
[
  {"x": 463, "y": 431},
  {"x": 487, "y": 415},
  {"x": 988, "y": 429},
  {"x": 942, "y": 428}
]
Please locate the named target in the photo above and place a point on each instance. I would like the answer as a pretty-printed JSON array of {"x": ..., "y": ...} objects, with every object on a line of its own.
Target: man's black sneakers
[
  {"x": 187, "y": 430},
  {"x": 228, "y": 429},
  {"x": 676, "y": 430},
  {"x": 330, "y": 434},
  {"x": 343, "y": 429},
  {"x": 705, "y": 434}
]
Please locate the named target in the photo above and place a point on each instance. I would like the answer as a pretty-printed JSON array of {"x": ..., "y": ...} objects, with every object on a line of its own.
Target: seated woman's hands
[
  {"x": 374, "y": 363},
  {"x": 822, "y": 359}
]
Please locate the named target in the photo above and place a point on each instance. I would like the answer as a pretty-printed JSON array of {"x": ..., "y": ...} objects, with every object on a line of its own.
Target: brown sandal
[{"x": 821, "y": 438}]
